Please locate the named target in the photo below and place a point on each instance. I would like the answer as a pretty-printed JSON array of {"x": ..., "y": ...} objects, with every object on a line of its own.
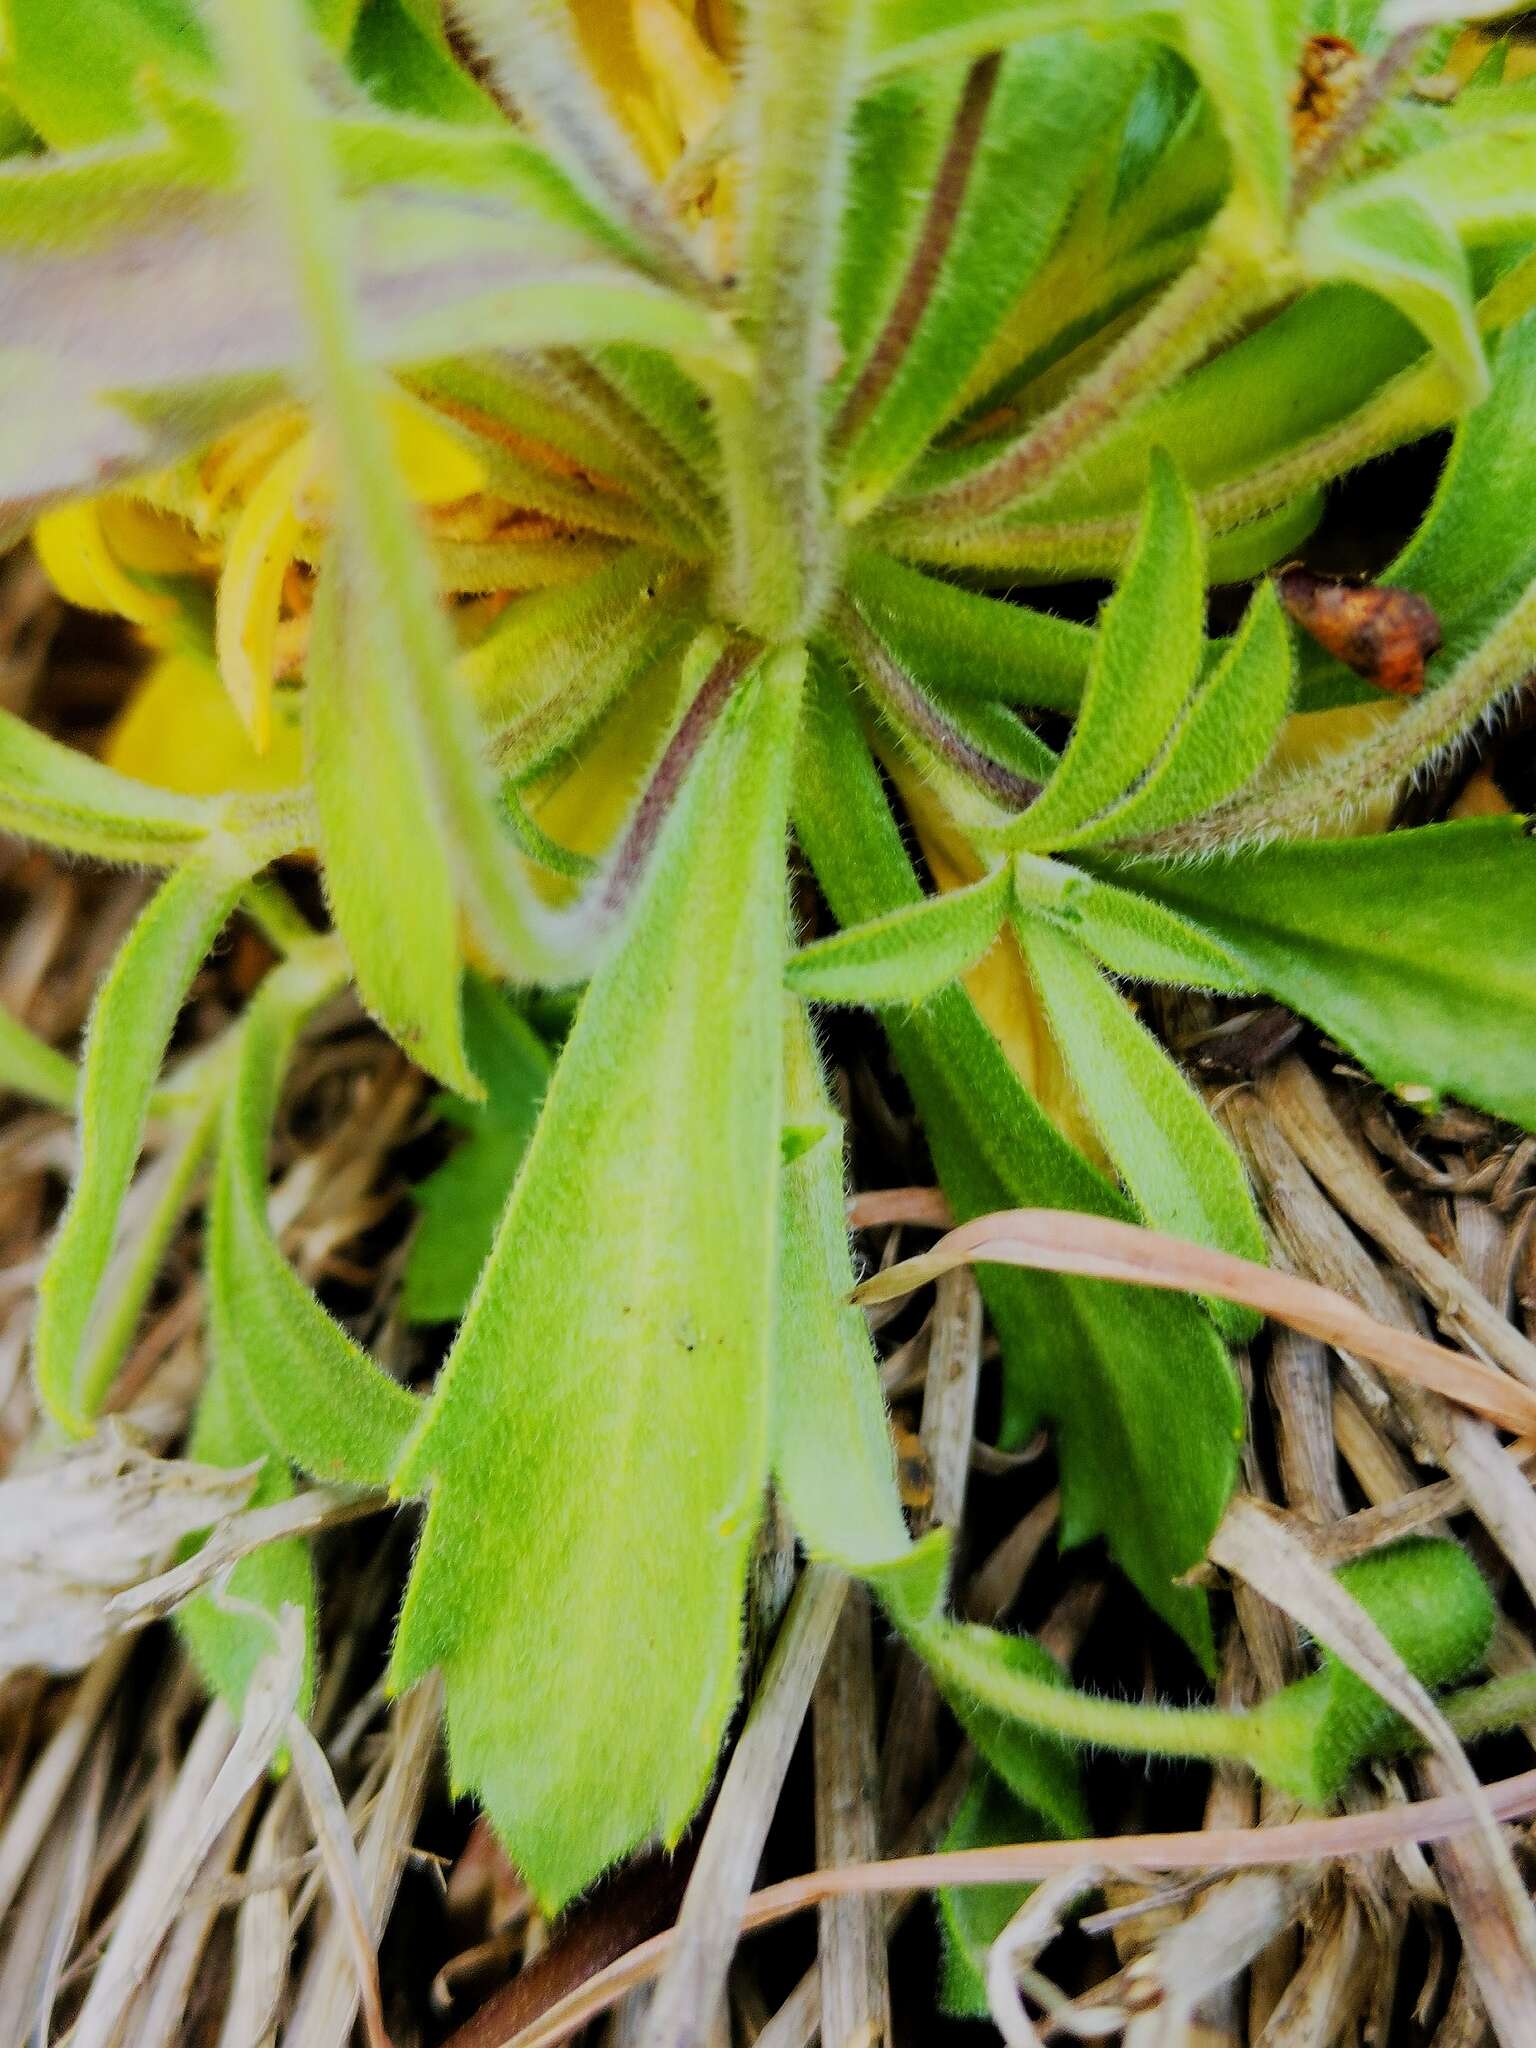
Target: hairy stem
[
  {"x": 1369, "y": 98},
  {"x": 1223, "y": 286},
  {"x": 797, "y": 100}
]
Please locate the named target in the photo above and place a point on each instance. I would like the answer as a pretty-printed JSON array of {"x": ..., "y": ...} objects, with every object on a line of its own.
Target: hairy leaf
[
  {"x": 1127, "y": 933},
  {"x": 617, "y": 1349},
  {"x": 1145, "y": 661},
  {"x": 62, "y": 797},
  {"x": 31, "y": 1067},
  {"x": 1051, "y": 109},
  {"x": 230, "y": 1629},
  {"x": 1417, "y": 950},
  {"x": 1184, "y": 1176},
  {"x": 831, "y": 1441},
  {"x": 130, "y": 1025},
  {"x": 957, "y": 640},
  {"x": 1106, "y": 1372},
  {"x": 320, "y": 1401},
  {"x": 461, "y": 1203},
  {"x": 907, "y": 954},
  {"x": 1398, "y": 245},
  {"x": 1226, "y": 734}
]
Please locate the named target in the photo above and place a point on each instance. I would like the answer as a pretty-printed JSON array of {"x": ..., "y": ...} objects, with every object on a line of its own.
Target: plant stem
[
  {"x": 1348, "y": 126},
  {"x": 797, "y": 97},
  {"x": 1224, "y": 285},
  {"x": 1330, "y": 792},
  {"x": 1079, "y": 1717}
]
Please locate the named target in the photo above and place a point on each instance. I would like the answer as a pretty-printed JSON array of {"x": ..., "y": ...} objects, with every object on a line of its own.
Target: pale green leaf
[
  {"x": 55, "y": 794},
  {"x": 228, "y": 1641},
  {"x": 617, "y": 1353},
  {"x": 1416, "y": 950},
  {"x": 831, "y": 1439},
  {"x": 1145, "y": 662},
  {"x": 1092, "y": 1358},
  {"x": 131, "y": 1022},
  {"x": 1245, "y": 54},
  {"x": 1183, "y": 1175},
  {"x": 30, "y": 1067},
  {"x": 388, "y": 877},
  {"x": 434, "y": 762},
  {"x": 461, "y": 1203},
  {"x": 1225, "y": 736},
  {"x": 321, "y": 1402},
  {"x": 1128, "y": 933},
  {"x": 904, "y": 956},
  {"x": 972, "y": 1916},
  {"x": 905, "y": 33},
  {"x": 1398, "y": 245}
]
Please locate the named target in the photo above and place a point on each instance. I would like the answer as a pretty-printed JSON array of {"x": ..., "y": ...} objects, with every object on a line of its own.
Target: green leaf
[
  {"x": 75, "y": 71},
  {"x": 903, "y": 33},
  {"x": 1106, "y": 1366},
  {"x": 1045, "y": 127},
  {"x": 130, "y": 1026},
  {"x": 1415, "y": 950},
  {"x": 617, "y": 1351},
  {"x": 1398, "y": 245},
  {"x": 1127, "y": 933},
  {"x": 1225, "y": 736},
  {"x": 388, "y": 877},
  {"x": 957, "y": 640},
  {"x": 63, "y": 798},
  {"x": 1433, "y": 1605},
  {"x": 1183, "y": 1175},
  {"x": 831, "y": 1438},
  {"x": 1245, "y": 54},
  {"x": 1145, "y": 662},
  {"x": 431, "y": 763},
  {"x": 461, "y": 1203},
  {"x": 972, "y": 1916},
  {"x": 405, "y": 63},
  {"x": 320, "y": 1401},
  {"x": 29, "y": 1066},
  {"x": 226, "y": 1644},
  {"x": 904, "y": 956}
]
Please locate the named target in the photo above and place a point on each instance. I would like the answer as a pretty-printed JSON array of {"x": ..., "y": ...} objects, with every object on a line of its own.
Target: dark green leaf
[{"x": 1416, "y": 950}]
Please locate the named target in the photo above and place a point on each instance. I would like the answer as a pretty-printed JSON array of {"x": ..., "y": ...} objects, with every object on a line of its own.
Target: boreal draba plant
[{"x": 558, "y": 469}]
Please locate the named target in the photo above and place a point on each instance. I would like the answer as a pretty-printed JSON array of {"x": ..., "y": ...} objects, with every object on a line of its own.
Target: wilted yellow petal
[
  {"x": 261, "y": 546},
  {"x": 180, "y": 731},
  {"x": 1310, "y": 737},
  {"x": 685, "y": 75},
  {"x": 1000, "y": 985},
  {"x": 151, "y": 542},
  {"x": 78, "y": 557},
  {"x": 233, "y": 463}
]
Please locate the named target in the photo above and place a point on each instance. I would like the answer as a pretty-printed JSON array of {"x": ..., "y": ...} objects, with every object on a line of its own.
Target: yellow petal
[
  {"x": 1310, "y": 737},
  {"x": 180, "y": 731},
  {"x": 438, "y": 468},
  {"x": 685, "y": 75},
  {"x": 233, "y": 464},
  {"x": 1000, "y": 985},
  {"x": 75, "y": 551},
  {"x": 261, "y": 546},
  {"x": 149, "y": 541}
]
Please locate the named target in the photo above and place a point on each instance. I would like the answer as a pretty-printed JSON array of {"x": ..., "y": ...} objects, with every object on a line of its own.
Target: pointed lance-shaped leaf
[
  {"x": 130, "y": 1026},
  {"x": 321, "y": 1402},
  {"x": 906, "y": 955},
  {"x": 1145, "y": 662},
  {"x": 617, "y": 1352},
  {"x": 1107, "y": 1375},
  {"x": 831, "y": 1439},
  {"x": 1181, "y": 1172}
]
